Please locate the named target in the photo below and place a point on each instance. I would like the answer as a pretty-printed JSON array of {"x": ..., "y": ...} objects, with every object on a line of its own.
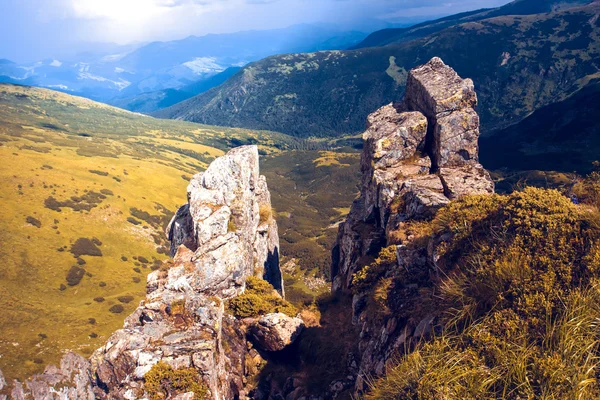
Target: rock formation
[
  {"x": 418, "y": 155},
  {"x": 73, "y": 380},
  {"x": 224, "y": 234},
  {"x": 273, "y": 332},
  {"x": 228, "y": 225}
]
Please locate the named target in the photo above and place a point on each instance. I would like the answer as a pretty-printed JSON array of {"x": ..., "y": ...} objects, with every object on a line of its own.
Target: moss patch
[{"x": 162, "y": 381}]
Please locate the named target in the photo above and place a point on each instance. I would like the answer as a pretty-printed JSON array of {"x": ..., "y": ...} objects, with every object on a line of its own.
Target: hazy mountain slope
[
  {"x": 564, "y": 136},
  {"x": 149, "y": 102},
  {"x": 518, "y": 7},
  {"x": 132, "y": 70},
  {"x": 519, "y": 63}
]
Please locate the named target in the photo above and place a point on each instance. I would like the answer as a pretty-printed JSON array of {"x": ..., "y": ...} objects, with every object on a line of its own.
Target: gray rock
[
  {"x": 435, "y": 88},
  {"x": 466, "y": 180},
  {"x": 417, "y": 157},
  {"x": 273, "y": 332},
  {"x": 448, "y": 102},
  {"x": 222, "y": 225},
  {"x": 424, "y": 327},
  {"x": 72, "y": 381},
  {"x": 180, "y": 230}
]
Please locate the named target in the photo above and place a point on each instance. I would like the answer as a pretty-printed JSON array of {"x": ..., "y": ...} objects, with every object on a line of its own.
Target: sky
[{"x": 37, "y": 29}]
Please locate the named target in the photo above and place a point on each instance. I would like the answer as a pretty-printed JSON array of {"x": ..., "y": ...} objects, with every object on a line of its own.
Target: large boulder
[
  {"x": 273, "y": 332},
  {"x": 448, "y": 102}
]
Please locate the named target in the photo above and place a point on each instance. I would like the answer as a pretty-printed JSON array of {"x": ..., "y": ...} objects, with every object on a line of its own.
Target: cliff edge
[{"x": 180, "y": 342}]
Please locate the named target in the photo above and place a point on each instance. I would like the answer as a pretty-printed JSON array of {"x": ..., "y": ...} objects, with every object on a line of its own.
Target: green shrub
[
  {"x": 85, "y": 247},
  {"x": 371, "y": 273},
  {"x": 519, "y": 298},
  {"x": 162, "y": 382},
  {"x": 259, "y": 298}
]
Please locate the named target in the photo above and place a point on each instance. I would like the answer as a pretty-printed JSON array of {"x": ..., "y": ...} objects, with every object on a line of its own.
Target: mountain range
[
  {"x": 523, "y": 56},
  {"x": 160, "y": 66}
]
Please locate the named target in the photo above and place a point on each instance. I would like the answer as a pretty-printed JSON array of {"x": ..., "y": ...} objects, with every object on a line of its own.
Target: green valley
[
  {"x": 87, "y": 192},
  {"x": 519, "y": 63}
]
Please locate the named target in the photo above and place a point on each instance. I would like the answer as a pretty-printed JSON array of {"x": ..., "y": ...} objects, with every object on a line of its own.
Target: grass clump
[
  {"x": 518, "y": 294},
  {"x": 259, "y": 298},
  {"x": 231, "y": 226},
  {"x": 265, "y": 213},
  {"x": 370, "y": 274},
  {"x": 163, "y": 382}
]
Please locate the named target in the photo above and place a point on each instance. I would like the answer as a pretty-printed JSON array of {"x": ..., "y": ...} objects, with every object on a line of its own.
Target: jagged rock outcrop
[
  {"x": 228, "y": 225},
  {"x": 418, "y": 155},
  {"x": 224, "y": 234},
  {"x": 273, "y": 332},
  {"x": 72, "y": 381}
]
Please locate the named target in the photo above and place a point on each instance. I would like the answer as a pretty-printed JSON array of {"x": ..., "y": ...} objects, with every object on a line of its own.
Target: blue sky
[{"x": 36, "y": 29}]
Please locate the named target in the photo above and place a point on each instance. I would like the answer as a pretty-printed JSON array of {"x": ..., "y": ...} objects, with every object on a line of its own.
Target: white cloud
[{"x": 126, "y": 21}]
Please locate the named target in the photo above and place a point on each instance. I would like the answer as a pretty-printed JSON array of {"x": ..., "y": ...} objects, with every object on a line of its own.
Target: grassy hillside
[
  {"x": 516, "y": 301},
  {"x": 87, "y": 192},
  {"x": 518, "y": 7},
  {"x": 564, "y": 136},
  {"x": 518, "y": 63}
]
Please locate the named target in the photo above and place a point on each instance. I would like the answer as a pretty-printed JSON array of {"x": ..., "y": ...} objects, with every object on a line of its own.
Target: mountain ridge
[{"x": 301, "y": 94}]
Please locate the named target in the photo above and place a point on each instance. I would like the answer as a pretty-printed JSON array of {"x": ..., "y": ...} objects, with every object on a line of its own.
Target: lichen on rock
[{"x": 418, "y": 155}]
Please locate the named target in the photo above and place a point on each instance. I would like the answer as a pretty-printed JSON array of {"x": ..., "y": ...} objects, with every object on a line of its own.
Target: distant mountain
[
  {"x": 152, "y": 101},
  {"x": 518, "y": 63},
  {"x": 563, "y": 136},
  {"x": 518, "y": 7},
  {"x": 133, "y": 70}
]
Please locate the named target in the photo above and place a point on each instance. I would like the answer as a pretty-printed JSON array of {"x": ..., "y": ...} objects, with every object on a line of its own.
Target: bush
[
  {"x": 370, "y": 274},
  {"x": 85, "y": 247},
  {"x": 162, "y": 382},
  {"x": 259, "y": 298},
  {"x": 519, "y": 299},
  {"x": 75, "y": 275}
]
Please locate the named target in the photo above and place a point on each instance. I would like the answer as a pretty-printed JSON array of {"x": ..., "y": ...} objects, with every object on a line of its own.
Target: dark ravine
[{"x": 419, "y": 155}]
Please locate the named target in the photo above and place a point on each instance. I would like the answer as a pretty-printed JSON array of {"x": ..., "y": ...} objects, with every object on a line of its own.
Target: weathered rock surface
[
  {"x": 221, "y": 240},
  {"x": 223, "y": 235},
  {"x": 222, "y": 225},
  {"x": 418, "y": 155},
  {"x": 72, "y": 381},
  {"x": 273, "y": 332}
]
